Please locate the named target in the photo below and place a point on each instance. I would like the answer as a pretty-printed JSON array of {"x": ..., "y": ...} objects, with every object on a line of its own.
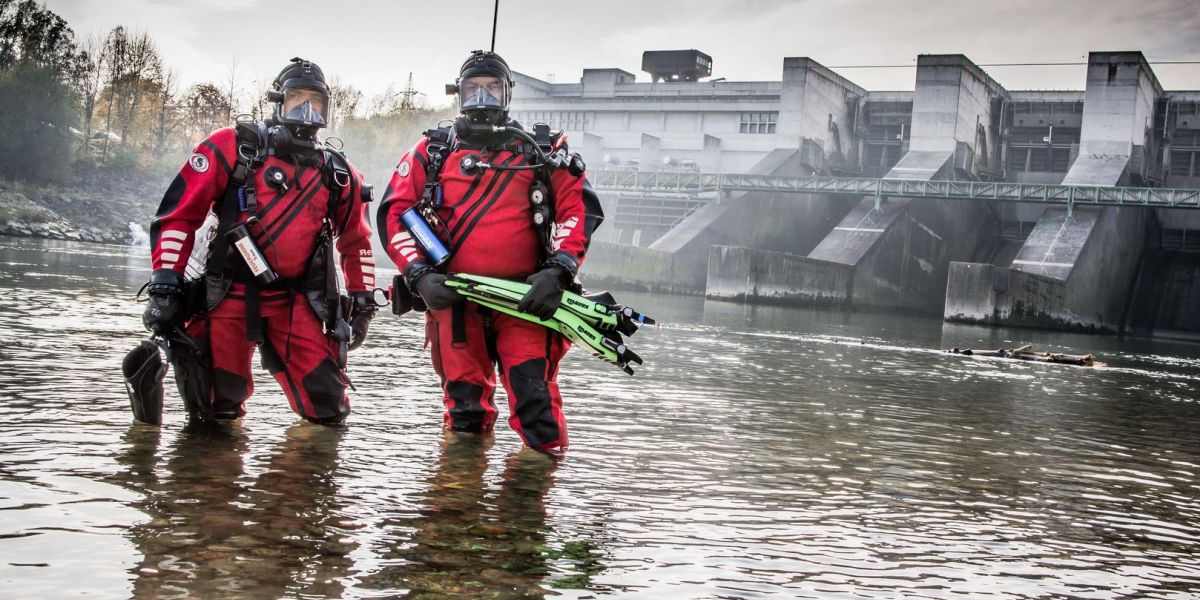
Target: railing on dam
[{"x": 692, "y": 182}]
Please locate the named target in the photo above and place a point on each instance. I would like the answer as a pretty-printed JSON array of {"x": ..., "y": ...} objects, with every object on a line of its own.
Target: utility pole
[{"x": 408, "y": 96}]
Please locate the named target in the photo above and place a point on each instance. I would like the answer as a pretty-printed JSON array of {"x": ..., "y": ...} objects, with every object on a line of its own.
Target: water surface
[{"x": 760, "y": 453}]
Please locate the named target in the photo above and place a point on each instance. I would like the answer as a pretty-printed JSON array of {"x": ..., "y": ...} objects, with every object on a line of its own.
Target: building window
[
  {"x": 1185, "y": 154},
  {"x": 760, "y": 122},
  {"x": 1039, "y": 160},
  {"x": 566, "y": 120},
  {"x": 1041, "y": 149},
  {"x": 1184, "y": 163}
]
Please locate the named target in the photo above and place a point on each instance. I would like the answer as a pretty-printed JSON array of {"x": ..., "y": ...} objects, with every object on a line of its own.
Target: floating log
[{"x": 1028, "y": 353}]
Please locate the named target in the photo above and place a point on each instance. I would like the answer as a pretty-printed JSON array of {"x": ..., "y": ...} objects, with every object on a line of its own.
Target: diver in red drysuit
[
  {"x": 293, "y": 187},
  {"x": 489, "y": 231}
]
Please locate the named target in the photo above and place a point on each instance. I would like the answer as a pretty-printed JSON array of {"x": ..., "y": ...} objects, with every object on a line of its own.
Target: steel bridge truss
[{"x": 1068, "y": 195}]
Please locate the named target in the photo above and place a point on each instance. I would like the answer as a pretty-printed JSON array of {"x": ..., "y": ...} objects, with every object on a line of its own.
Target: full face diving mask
[
  {"x": 484, "y": 92},
  {"x": 304, "y": 107}
]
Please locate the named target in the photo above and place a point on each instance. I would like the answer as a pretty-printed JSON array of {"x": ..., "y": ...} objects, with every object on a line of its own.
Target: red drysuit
[
  {"x": 491, "y": 232},
  {"x": 294, "y": 348}
]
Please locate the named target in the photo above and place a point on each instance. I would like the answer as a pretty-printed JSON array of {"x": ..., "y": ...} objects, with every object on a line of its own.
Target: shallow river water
[{"x": 759, "y": 453}]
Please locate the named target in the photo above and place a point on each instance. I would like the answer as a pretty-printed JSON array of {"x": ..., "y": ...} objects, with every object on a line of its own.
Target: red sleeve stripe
[
  {"x": 404, "y": 243},
  {"x": 368, "y": 271}
]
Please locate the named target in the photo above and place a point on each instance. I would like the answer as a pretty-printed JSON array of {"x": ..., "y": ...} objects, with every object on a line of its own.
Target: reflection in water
[
  {"x": 471, "y": 541},
  {"x": 216, "y": 531}
]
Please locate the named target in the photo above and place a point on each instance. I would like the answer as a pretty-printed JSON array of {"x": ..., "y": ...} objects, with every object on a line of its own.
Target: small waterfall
[{"x": 138, "y": 236}]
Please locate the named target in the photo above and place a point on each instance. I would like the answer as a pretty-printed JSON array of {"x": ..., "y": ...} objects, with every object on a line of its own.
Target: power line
[{"x": 1026, "y": 64}]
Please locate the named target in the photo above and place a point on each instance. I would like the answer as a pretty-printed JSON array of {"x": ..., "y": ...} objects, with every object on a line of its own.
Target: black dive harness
[
  {"x": 319, "y": 284},
  {"x": 545, "y": 151},
  {"x": 544, "y": 158}
]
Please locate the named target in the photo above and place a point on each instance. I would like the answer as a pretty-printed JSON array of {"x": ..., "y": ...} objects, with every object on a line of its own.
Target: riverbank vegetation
[{"x": 107, "y": 113}]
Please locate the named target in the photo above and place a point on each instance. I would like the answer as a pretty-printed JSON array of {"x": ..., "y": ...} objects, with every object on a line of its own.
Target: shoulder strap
[
  {"x": 440, "y": 135},
  {"x": 544, "y": 137},
  {"x": 251, "y": 139},
  {"x": 336, "y": 173},
  {"x": 441, "y": 142},
  {"x": 251, "y": 143}
]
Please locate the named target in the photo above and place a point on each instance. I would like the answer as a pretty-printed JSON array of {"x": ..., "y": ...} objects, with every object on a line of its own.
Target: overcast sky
[{"x": 373, "y": 43}]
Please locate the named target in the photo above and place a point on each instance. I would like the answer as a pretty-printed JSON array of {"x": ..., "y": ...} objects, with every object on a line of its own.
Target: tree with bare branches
[
  {"x": 344, "y": 99},
  {"x": 205, "y": 109}
]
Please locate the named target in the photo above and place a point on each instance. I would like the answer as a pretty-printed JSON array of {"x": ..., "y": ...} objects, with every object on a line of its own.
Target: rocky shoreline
[
  {"x": 57, "y": 231},
  {"x": 80, "y": 215}
]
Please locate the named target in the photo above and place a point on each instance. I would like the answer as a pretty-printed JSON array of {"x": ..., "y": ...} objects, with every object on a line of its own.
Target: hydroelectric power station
[{"x": 1054, "y": 209}]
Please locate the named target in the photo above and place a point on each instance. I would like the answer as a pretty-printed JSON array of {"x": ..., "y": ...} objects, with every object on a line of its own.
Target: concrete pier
[
  {"x": 896, "y": 253},
  {"x": 1076, "y": 267},
  {"x": 1166, "y": 296},
  {"x": 677, "y": 262},
  {"x": 1079, "y": 281}
]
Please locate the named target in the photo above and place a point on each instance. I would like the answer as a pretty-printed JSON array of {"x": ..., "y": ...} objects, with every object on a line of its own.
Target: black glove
[
  {"x": 165, "y": 308},
  {"x": 544, "y": 296},
  {"x": 362, "y": 310},
  {"x": 431, "y": 287}
]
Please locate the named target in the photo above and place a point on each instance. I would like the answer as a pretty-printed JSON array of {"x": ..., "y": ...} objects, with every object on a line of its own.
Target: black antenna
[{"x": 495, "y": 18}]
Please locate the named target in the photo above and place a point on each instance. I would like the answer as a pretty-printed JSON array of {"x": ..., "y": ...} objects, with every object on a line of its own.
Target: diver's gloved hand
[
  {"x": 362, "y": 310},
  {"x": 165, "y": 308},
  {"x": 432, "y": 289},
  {"x": 424, "y": 281},
  {"x": 545, "y": 293}
]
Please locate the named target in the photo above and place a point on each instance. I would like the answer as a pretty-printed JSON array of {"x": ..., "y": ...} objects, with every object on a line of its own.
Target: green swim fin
[
  {"x": 599, "y": 310},
  {"x": 144, "y": 368},
  {"x": 607, "y": 346}
]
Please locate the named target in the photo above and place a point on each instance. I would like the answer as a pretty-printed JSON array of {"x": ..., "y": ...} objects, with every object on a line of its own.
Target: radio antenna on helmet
[{"x": 495, "y": 18}]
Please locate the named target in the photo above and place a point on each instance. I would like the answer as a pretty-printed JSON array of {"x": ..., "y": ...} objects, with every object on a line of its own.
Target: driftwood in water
[{"x": 1027, "y": 353}]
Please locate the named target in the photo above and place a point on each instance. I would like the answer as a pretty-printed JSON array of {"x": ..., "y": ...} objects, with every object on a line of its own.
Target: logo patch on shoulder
[
  {"x": 198, "y": 162},
  {"x": 403, "y": 169}
]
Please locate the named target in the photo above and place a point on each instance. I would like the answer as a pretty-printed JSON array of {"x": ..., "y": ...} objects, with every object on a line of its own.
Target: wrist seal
[
  {"x": 414, "y": 272},
  {"x": 363, "y": 302},
  {"x": 165, "y": 282},
  {"x": 565, "y": 262}
]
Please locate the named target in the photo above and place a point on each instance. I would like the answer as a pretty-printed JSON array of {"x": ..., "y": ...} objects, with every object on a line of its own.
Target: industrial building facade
[{"x": 957, "y": 124}]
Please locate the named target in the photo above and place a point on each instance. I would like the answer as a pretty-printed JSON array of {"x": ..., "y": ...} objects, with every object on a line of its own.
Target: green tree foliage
[
  {"x": 29, "y": 33},
  {"x": 133, "y": 72},
  {"x": 113, "y": 105},
  {"x": 38, "y": 60},
  {"x": 206, "y": 109},
  {"x": 36, "y": 127}
]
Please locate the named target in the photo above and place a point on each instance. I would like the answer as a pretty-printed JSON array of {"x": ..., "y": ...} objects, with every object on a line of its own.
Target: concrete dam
[{"x": 746, "y": 191}]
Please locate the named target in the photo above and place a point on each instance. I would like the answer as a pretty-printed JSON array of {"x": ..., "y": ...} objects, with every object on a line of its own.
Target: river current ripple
[{"x": 760, "y": 453}]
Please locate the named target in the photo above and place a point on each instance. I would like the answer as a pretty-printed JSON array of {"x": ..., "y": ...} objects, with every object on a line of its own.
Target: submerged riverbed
[{"x": 761, "y": 452}]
